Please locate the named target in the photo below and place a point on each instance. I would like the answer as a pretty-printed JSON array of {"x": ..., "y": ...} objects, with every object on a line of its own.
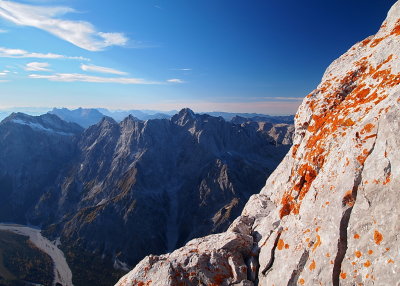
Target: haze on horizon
[{"x": 207, "y": 55}]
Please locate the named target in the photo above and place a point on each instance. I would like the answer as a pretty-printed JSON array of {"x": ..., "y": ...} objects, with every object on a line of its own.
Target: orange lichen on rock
[
  {"x": 337, "y": 106},
  {"x": 348, "y": 122},
  {"x": 378, "y": 237},
  {"x": 289, "y": 205},
  {"x": 367, "y": 263},
  {"x": 141, "y": 283},
  {"x": 396, "y": 30},
  {"x": 317, "y": 243},
  {"x": 312, "y": 265},
  {"x": 281, "y": 244},
  {"x": 365, "y": 42},
  {"x": 348, "y": 199},
  {"x": 301, "y": 281},
  {"x": 294, "y": 150},
  {"x": 370, "y": 251},
  {"x": 387, "y": 180},
  {"x": 376, "y": 42},
  {"x": 361, "y": 158},
  {"x": 343, "y": 275},
  {"x": 367, "y": 128},
  {"x": 358, "y": 254},
  {"x": 356, "y": 236},
  {"x": 390, "y": 261}
]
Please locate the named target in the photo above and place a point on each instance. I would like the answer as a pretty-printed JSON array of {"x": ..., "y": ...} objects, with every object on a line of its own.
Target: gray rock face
[
  {"x": 33, "y": 150},
  {"x": 328, "y": 215}
]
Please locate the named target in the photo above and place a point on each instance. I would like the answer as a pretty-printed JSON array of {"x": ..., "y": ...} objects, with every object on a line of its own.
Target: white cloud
[
  {"x": 80, "y": 33},
  {"x": 175, "y": 80},
  {"x": 36, "y": 66},
  {"x": 74, "y": 77},
  {"x": 93, "y": 68},
  {"x": 3, "y": 31},
  {"x": 182, "y": 69},
  {"x": 3, "y": 73},
  {"x": 18, "y": 53}
]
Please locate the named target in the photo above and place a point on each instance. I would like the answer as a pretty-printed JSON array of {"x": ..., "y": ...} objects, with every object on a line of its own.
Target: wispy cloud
[
  {"x": 93, "y": 68},
  {"x": 18, "y": 53},
  {"x": 75, "y": 77},
  {"x": 182, "y": 69},
  {"x": 36, "y": 66},
  {"x": 3, "y": 31},
  {"x": 80, "y": 33},
  {"x": 175, "y": 80}
]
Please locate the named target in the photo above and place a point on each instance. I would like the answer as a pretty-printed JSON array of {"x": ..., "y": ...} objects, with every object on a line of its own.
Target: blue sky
[{"x": 228, "y": 55}]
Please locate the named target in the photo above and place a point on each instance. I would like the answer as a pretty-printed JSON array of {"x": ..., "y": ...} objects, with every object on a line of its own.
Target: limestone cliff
[{"x": 329, "y": 214}]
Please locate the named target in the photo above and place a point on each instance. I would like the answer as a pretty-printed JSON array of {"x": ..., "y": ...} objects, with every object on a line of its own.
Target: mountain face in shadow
[{"x": 116, "y": 192}]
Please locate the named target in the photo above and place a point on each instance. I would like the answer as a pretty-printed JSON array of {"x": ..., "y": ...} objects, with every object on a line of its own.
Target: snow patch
[{"x": 38, "y": 126}]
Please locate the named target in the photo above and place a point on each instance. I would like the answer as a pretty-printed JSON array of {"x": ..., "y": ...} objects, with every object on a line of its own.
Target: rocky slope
[
  {"x": 33, "y": 149},
  {"x": 328, "y": 215}
]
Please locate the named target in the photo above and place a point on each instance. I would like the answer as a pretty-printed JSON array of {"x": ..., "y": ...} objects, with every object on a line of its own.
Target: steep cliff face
[{"x": 328, "y": 215}]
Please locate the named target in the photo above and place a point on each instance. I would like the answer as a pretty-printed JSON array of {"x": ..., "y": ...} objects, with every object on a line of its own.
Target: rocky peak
[
  {"x": 82, "y": 116},
  {"x": 184, "y": 117},
  {"x": 45, "y": 123},
  {"x": 107, "y": 123},
  {"x": 328, "y": 215}
]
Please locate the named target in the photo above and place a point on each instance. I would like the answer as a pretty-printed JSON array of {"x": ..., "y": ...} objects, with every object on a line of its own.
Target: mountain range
[
  {"x": 117, "y": 191},
  {"x": 90, "y": 116}
]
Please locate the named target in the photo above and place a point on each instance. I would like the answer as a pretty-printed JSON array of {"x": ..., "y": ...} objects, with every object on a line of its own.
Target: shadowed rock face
[
  {"x": 140, "y": 187},
  {"x": 328, "y": 215},
  {"x": 32, "y": 152}
]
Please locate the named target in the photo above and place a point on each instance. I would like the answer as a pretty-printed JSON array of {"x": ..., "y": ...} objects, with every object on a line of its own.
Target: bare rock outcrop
[{"x": 329, "y": 214}]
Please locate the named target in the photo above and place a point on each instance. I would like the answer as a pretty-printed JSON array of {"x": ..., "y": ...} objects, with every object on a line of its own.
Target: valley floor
[{"x": 62, "y": 272}]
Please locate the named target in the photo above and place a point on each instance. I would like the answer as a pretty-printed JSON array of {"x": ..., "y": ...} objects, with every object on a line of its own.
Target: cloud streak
[
  {"x": 182, "y": 69},
  {"x": 80, "y": 33},
  {"x": 99, "y": 69},
  {"x": 175, "y": 80},
  {"x": 18, "y": 53},
  {"x": 36, "y": 66},
  {"x": 75, "y": 77}
]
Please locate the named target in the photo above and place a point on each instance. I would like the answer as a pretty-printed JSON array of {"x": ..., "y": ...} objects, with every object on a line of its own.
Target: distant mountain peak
[
  {"x": 45, "y": 123},
  {"x": 185, "y": 116}
]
